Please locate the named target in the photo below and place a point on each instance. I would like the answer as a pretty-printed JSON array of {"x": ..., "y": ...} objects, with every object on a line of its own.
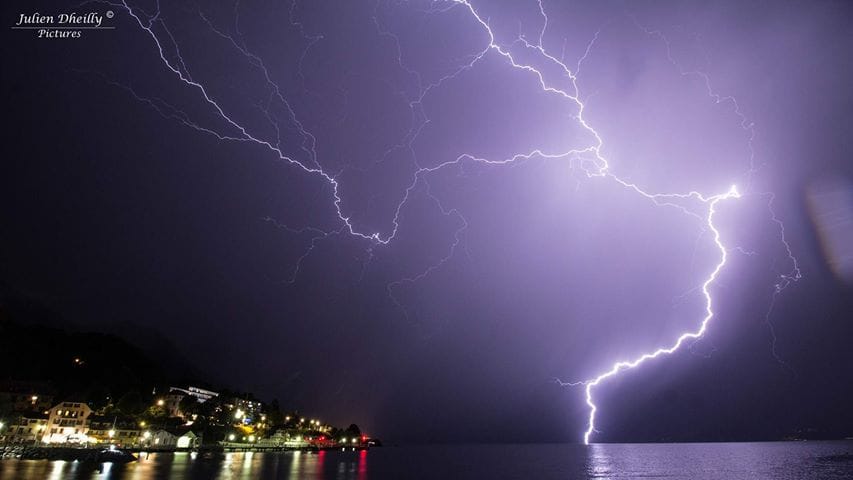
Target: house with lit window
[
  {"x": 26, "y": 396},
  {"x": 127, "y": 437},
  {"x": 67, "y": 423},
  {"x": 122, "y": 431},
  {"x": 27, "y": 428}
]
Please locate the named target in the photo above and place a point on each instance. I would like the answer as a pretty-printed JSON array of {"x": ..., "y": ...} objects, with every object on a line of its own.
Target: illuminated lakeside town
[
  {"x": 179, "y": 419},
  {"x": 117, "y": 398}
]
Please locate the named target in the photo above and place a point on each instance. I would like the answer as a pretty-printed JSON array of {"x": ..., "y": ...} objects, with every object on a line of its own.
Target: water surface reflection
[
  {"x": 770, "y": 460},
  {"x": 225, "y": 466},
  {"x": 731, "y": 461}
]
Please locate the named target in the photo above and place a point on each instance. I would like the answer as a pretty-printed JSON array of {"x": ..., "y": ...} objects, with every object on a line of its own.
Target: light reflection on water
[
  {"x": 736, "y": 461},
  {"x": 764, "y": 460},
  {"x": 225, "y": 466}
]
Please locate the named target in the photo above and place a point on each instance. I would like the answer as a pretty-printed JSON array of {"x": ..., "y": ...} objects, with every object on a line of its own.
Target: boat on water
[{"x": 115, "y": 455}]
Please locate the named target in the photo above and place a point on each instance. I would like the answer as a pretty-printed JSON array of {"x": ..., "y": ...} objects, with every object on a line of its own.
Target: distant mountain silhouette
[
  {"x": 157, "y": 346},
  {"x": 37, "y": 344}
]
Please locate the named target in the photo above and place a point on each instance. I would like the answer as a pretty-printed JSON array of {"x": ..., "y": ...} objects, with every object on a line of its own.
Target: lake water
[{"x": 731, "y": 461}]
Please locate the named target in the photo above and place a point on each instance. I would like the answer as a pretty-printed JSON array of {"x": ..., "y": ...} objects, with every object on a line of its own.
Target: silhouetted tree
[
  {"x": 274, "y": 415},
  {"x": 131, "y": 403},
  {"x": 98, "y": 397},
  {"x": 188, "y": 405},
  {"x": 353, "y": 430}
]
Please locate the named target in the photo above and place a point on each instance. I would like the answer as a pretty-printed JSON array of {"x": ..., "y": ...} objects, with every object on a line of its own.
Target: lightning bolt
[
  {"x": 709, "y": 314},
  {"x": 603, "y": 170},
  {"x": 589, "y": 158}
]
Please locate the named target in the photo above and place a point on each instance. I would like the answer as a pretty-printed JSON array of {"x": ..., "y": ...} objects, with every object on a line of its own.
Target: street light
[
  {"x": 231, "y": 437},
  {"x": 160, "y": 402}
]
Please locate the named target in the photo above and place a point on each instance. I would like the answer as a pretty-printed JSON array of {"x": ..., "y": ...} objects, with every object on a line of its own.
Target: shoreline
[{"x": 124, "y": 455}]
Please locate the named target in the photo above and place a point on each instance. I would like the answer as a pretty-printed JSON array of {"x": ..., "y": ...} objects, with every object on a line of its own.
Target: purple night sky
[{"x": 129, "y": 199}]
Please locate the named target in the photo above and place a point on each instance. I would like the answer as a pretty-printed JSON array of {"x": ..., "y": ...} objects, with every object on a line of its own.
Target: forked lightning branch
[{"x": 589, "y": 156}]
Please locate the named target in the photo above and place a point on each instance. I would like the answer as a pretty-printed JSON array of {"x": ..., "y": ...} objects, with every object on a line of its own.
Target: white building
[
  {"x": 162, "y": 439},
  {"x": 187, "y": 440},
  {"x": 28, "y": 428},
  {"x": 67, "y": 423},
  {"x": 200, "y": 394}
]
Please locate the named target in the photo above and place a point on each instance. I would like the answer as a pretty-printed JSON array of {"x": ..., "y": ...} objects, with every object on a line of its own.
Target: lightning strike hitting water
[
  {"x": 589, "y": 158},
  {"x": 709, "y": 314}
]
